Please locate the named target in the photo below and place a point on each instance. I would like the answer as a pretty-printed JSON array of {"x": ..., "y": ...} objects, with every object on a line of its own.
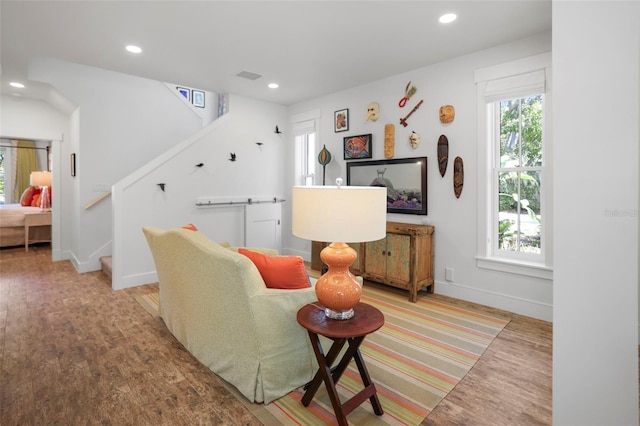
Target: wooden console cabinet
[{"x": 403, "y": 259}]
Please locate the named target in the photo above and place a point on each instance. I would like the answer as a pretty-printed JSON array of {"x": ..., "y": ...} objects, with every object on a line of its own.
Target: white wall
[
  {"x": 121, "y": 122},
  {"x": 22, "y": 117},
  {"x": 596, "y": 47},
  {"x": 256, "y": 174},
  {"x": 454, "y": 219}
]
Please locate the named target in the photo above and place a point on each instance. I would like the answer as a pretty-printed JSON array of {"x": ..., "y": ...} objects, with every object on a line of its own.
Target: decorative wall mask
[
  {"x": 458, "y": 176},
  {"x": 414, "y": 140},
  {"x": 373, "y": 111},
  {"x": 389, "y": 140},
  {"x": 409, "y": 91},
  {"x": 443, "y": 154},
  {"x": 447, "y": 113}
]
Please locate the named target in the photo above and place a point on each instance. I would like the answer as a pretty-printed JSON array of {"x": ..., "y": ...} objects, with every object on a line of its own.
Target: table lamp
[
  {"x": 42, "y": 179},
  {"x": 339, "y": 213}
]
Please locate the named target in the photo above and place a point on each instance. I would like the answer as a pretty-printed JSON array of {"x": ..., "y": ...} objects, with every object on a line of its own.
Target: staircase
[{"x": 106, "y": 265}]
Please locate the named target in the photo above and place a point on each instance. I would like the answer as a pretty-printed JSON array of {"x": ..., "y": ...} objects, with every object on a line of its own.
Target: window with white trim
[
  {"x": 305, "y": 153},
  {"x": 514, "y": 232}
]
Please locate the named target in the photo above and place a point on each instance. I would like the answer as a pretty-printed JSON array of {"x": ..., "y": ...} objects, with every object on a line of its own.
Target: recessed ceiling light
[
  {"x": 273, "y": 85},
  {"x": 16, "y": 84},
  {"x": 448, "y": 18},
  {"x": 133, "y": 49}
]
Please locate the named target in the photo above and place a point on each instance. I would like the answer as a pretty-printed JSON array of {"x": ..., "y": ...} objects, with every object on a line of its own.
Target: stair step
[{"x": 106, "y": 264}]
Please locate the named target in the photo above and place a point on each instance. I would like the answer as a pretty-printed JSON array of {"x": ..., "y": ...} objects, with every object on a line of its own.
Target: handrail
[
  {"x": 227, "y": 203},
  {"x": 97, "y": 200}
]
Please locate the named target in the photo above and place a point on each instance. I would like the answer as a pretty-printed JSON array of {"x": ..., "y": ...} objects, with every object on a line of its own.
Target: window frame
[
  {"x": 510, "y": 79},
  {"x": 304, "y": 125},
  {"x": 303, "y": 167}
]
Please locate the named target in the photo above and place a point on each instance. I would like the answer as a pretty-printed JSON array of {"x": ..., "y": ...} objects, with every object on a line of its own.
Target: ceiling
[{"x": 310, "y": 48}]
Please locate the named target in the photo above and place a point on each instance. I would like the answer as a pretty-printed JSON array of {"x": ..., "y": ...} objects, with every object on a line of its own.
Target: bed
[{"x": 12, "y": 226}]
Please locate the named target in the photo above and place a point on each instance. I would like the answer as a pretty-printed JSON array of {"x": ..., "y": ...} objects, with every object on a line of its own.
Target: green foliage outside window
[
  {"x": 520, "y": 173},
  {"x": 520, "y": 146}
]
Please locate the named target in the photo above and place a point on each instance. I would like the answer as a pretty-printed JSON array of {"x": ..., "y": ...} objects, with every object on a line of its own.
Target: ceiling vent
[{"x": 248, "y": 75}]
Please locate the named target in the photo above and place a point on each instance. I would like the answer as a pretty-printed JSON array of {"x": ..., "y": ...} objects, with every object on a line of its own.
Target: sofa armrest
[
  {"x": 275, "y": 311},
  {"x": 283, "y": 345}
]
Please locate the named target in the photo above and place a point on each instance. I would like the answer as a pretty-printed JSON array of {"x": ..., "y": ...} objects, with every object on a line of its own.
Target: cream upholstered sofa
[{"x": 214, "y": 301}]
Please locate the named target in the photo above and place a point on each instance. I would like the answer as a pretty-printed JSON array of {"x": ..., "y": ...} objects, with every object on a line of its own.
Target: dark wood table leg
[
  {"x": 324, "y": 362},
  {"x": 366, "y": 380},
  {"x": 324, "y": 374},
  {"x": 330, "y": 377}
]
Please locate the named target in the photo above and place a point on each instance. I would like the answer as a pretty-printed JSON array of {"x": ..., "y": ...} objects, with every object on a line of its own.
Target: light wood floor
[{"x": 73, "y": 351}]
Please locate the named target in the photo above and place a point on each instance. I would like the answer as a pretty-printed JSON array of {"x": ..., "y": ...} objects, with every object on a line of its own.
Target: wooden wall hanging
[
  {"x": 389, "y": 140},
  {"x": 458, "y": 176},
  {"x": 403, "y": 121},
  {"x": 443, "y": 154}
]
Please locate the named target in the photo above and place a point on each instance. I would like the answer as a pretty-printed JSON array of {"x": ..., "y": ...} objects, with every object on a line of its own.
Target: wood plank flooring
[{"x": 73, "y": 351}]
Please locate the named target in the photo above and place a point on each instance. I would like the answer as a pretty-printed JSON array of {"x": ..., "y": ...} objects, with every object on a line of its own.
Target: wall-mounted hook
[
  {"x": 161, "y": 185},
  {"x": 277, "y": 130},
  {"x": 199, "y": 164},
  {"x": 259, "y": 143},
  {"x": 233, "y": 156}
]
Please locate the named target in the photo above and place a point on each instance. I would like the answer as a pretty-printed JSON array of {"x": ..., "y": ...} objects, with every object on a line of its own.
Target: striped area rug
[{"x": 418, "y": 356}]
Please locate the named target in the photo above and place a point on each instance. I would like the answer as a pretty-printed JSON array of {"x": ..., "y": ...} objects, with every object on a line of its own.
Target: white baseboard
[
  {"x": 134, "y": 280},
  {"x": 517, "y": 305}
]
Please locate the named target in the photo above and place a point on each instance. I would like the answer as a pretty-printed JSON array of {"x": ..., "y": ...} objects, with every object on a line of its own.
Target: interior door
[{"x": 263, "y": 225}]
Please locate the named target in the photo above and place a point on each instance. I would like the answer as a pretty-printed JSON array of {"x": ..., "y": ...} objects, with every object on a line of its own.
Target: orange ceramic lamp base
[{"x": 338, "y": 289}]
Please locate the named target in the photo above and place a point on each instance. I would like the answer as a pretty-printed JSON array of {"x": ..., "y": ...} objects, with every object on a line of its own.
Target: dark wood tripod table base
[{"x": 366, "y": 320}]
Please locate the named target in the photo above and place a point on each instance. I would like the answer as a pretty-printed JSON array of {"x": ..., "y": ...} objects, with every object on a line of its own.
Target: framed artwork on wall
[
  {"x": 197, "y": 98},
  {"x": 185, "y": 92},
  {"x": 341, "y": 120},
  {"x": 357, "y": 147},
  {"x": 73, "y": 165},
  {"x": 404, "y": 178}
]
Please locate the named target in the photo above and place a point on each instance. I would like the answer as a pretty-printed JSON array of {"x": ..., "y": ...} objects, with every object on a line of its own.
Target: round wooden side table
[{"x": 366, "y": 320}]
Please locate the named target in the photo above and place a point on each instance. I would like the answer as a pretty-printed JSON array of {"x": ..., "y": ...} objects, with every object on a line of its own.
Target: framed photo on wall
[
  {"x": 185, "y": 92},
  {"x": 357, "y": 147},
  {"x": 341, "y": 120},
  {"x": 404, "y": 178},
  {"x": 198, "y": 98}
]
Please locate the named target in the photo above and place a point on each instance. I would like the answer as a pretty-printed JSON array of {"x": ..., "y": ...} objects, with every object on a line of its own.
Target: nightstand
[{"x": 35, "y": 219}]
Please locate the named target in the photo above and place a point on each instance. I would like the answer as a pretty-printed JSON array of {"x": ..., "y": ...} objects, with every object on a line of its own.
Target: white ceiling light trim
[
  {"x": 133, "y": 48},
  {"x": 273, "y": 85},
  {"x": 447, "y": 18},
  {"x": 16, "y": 84}
]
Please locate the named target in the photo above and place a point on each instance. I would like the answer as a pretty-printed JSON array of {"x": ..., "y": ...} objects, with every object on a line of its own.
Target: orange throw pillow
[
  {"x": 35, "y": 201},
  {"x": 284, "y": 272},
  {"x": 27, "y": 196}
]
